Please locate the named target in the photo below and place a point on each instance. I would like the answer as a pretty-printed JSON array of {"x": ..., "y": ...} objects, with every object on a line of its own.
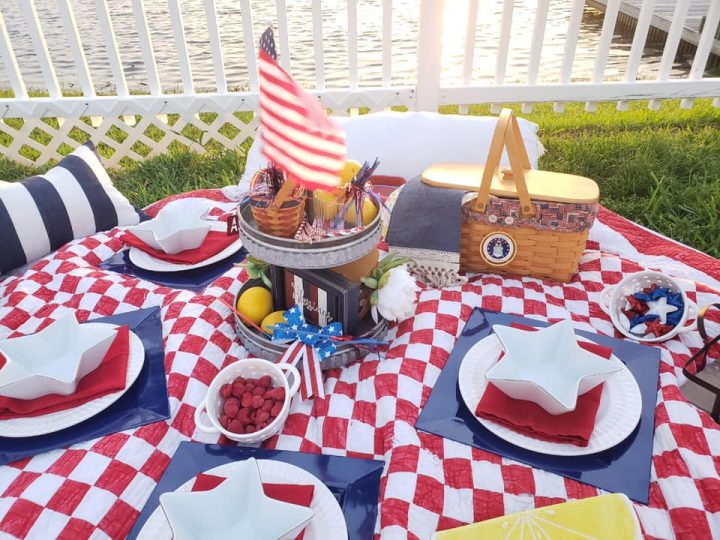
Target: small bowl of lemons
[{"x": 254, "y": 307}]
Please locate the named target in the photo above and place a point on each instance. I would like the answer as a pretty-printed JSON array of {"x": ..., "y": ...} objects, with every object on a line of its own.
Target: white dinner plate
[
  {"x": 147, "y": 262},
  {"x": 328, "y": 522},
  {"x": 618, "y": 414},
  {"x": 33, "y": 426}
]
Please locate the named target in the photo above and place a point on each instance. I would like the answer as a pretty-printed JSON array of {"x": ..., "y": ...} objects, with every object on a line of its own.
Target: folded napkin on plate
[
  {"x": 214, "y": 243},
  {"x": 425, "y": 225},
  {"x": 530, "y": 419},
  {"x": 109, "y": 377},
  {"x": 290, "y": 493}
]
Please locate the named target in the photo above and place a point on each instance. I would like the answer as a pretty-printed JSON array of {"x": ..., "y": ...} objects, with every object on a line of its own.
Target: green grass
[{"x": 657, "y": 168}]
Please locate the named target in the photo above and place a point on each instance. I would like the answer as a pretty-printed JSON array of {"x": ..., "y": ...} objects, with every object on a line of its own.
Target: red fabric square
[
  {"x": 692, "y": 437},
  {"x": 152, "y": 433},
  {"x": 386, "y": 385},
  {"x": 155, "y": 466},
  {"x": 709, "y": 489},
  {"x": 67, "y": 462},
  {"x": 404, "y": 459},
  {"x": 445, "y": 523},
  {"x": 119, "y": 520},
  {"x": 415, "y": 369},
  {"x": 346, "y": 389},
  {"x": 518, "y": 479},
  {"x": 487, "y": 505},
  {"x": 690, "y": 523},
  {"x": 20, "y": 484},
  {"x": 458, "y": 473},
  {"x": 68, "y": 496},
  {"x": 394, "y": 513},
  {"x": 204, "y": 371},
  {"x": 193, "y": 344},
  {"x": 20, "y": 518},
  {"x": 76, "y": 529},
  {"x": 669, "y": 464},
  {"x": 429, "y": 494},
  {"x": 110, "y": 445},
  {"x": 364, "y": 411},
  {"x": 116, "y": 477},
  {"x": 335, "y": 432}
]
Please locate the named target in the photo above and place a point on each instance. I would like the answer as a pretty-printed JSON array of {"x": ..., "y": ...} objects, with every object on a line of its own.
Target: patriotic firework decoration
[
  {"x": 297, "y": 134},
  {"x": 653, "y": 311},
  {"x": 311, "y": 345}
]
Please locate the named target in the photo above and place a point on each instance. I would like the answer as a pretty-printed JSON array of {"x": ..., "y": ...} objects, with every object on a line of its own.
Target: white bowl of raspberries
[{"x": 249, "y": 400}]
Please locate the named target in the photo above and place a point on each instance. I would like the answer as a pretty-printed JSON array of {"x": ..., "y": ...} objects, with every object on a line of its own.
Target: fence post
[{"x": 429, "y": 55}]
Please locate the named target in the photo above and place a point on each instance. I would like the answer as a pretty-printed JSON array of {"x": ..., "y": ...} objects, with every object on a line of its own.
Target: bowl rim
[{"x": 265, "y": 432}]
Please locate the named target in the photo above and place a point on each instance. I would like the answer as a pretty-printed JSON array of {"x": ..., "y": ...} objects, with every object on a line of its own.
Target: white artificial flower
[{"x": 396, "y": 299}]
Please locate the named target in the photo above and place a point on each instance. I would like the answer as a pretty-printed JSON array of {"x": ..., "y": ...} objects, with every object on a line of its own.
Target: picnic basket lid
[{"x": 506, "y": 182}]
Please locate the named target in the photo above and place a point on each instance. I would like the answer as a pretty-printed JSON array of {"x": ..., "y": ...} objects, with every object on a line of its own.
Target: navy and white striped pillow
[{"x": 72, "y": 200}]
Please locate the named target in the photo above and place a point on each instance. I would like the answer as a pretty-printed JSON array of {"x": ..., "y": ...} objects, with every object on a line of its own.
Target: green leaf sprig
[
  {"x": 257, "y": 269},
  {"x": 380, "y": 275}
]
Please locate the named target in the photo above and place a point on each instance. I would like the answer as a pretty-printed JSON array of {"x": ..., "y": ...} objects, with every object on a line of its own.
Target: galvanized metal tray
[{"x": 324, "y": 253}]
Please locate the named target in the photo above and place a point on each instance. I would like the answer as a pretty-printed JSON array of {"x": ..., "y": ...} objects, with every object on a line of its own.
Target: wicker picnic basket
[
  {"x": 283, "y": 221},
  {"x": 522, "y": 221}
]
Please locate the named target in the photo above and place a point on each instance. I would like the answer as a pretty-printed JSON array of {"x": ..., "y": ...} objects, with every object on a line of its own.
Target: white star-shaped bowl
[
  {"x": 548, "y": 367},
  {"x": 53, "y": 360},
  {"x": 237, "y": 508},
  {"x": 174, "y": 230}
]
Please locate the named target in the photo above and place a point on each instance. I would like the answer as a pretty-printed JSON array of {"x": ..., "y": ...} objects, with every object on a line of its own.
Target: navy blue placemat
[
  {"x": 144, "y": 403},
  {"x": 354, "y": 482},
  {"x": 192, "y": 280},
  {"x": 622, "y": 469}
]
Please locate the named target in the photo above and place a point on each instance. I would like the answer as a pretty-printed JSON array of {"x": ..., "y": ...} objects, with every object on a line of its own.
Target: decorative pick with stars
[
  {"x": 174, "y": 230},
  {"x": 237, "y": 508},
  {"x": 53, "y": 360},
  {"x": 548, "y": 366}
]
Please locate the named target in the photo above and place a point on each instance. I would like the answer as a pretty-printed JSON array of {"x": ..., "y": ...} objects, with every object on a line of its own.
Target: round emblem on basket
[{"x": 498, "y": 249}]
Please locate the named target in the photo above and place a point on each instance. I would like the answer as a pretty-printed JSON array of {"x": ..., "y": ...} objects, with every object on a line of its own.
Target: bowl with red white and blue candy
[
  {"x": 649, "y": 306},
  {"x": 653, "y": 312}
]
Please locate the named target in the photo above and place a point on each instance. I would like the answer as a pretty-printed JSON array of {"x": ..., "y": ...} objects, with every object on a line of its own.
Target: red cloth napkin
[
  {"x": 530, "y": 419},
  {"x": 214, "y": 243},
  {"x": 109, "y": 377},
  {"x": 289, "y": 493}
]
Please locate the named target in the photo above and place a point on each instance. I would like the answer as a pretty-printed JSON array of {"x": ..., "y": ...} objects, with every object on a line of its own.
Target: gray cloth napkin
[{"x": 425, "y": 225}]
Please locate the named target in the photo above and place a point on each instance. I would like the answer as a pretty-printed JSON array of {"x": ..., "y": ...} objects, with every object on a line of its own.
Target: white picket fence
[{"x": 37, "y": 129}]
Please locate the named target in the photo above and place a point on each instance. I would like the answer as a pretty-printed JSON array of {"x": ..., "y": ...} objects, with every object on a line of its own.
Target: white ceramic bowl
[
  {"x": 237, "y": 508},
  {"x": 252, "y": 368},
  {"x": 612, "y": 301},
  {"x": 53, "y": 360},
  {"x": 548, "y": 367},
  {"x": 173, "y": 231}
]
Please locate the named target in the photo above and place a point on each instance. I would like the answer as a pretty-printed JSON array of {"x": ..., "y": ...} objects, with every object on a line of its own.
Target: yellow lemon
[
  {"x": 255, "y": 304},
  {"x": 369, "y": 211},
  {"x": 271, "y": 320},
  {"x": 349, "y": 170}
]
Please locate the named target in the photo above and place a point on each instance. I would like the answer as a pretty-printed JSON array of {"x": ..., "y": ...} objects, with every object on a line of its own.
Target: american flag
[{"x": 297, "y": 134}]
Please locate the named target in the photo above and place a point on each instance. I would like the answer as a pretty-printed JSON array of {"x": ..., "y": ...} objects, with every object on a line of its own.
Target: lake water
[{"x": 334, "y": 25}]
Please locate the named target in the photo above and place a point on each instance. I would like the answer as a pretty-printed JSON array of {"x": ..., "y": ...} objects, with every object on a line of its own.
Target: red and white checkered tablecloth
[{"x": 97, "y": 488}]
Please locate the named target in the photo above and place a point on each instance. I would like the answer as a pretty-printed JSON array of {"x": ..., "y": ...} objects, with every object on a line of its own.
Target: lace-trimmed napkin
[{"x": 425, "y": 225}]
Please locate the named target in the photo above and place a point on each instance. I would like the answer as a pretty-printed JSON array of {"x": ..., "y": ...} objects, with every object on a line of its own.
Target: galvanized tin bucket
[
  {"x": 287, "y": 252},
  {"x": 260, "y": 346}
]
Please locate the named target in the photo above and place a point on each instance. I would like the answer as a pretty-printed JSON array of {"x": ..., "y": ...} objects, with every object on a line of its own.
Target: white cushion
[{"x": 408, "y": 143}]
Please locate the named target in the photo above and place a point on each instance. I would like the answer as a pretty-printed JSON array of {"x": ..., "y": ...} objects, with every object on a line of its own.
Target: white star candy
[
  {"x": 661, "y": 308},
  {"x": 53, "y": 360},
  {"x": 548, "y": 367},
  {"x": 174, "y": 229},
  {"x": 237, "y": 508}
]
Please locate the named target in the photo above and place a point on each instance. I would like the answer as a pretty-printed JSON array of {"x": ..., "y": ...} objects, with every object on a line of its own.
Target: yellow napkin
[{"x": 606, "y": 517}]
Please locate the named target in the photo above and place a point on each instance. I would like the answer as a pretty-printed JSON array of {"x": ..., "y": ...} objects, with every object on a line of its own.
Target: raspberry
[
  {"x": 265, "y": 381},
  {"x": 276, "y": 409},
  {"x": 250, "y": 428},
  {"x": 231, "y": 407},
  {"x": 262, "y": 416},
  {"x": 244, "y": 415},
  {"x": 249, "y": 387},
  {"x": 238, "y": 390},
  {"x": 239, "y": 380},
  {"x": 267, "y": 406},
  {"x": 236, "y": 426},
  {"x": 280, "y": 393},
  {"x": 246, "y": 399},
  {"x": 224, "y": 421},
  {"x": 226, "y": 390},
  {"x": 257, "y": 402},
  {"x": 259, "y": 391}
]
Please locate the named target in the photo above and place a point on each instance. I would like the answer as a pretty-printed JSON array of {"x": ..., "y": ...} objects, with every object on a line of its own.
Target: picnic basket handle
[{"x": 507, "y": 135}]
